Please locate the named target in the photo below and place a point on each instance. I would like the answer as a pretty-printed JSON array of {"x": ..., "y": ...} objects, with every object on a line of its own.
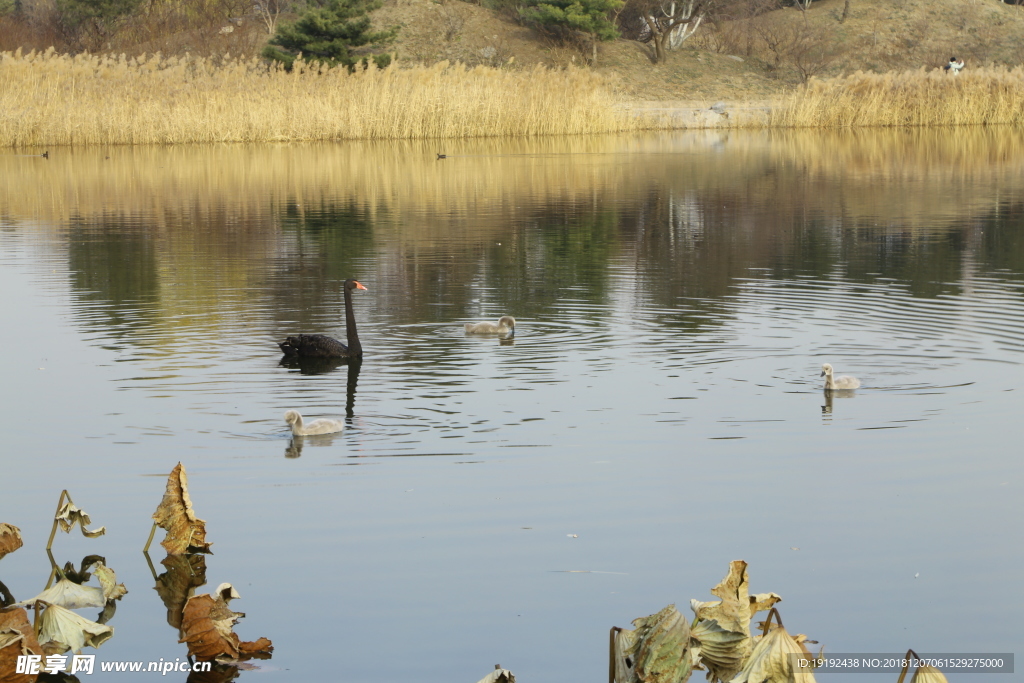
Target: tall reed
[
  {"x": 981, "y": 96},
  {"x": 53, "y": 99}
]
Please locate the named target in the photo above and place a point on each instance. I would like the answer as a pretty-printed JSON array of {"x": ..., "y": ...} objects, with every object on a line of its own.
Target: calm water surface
[{"x": 659, "y": 413}]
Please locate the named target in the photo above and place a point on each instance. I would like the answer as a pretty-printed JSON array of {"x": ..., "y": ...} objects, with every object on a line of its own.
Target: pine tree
[
  {"x": 585, "y": 16},
  {"x": 90, "y": 23},
  {"x": 328, "y": 34}
]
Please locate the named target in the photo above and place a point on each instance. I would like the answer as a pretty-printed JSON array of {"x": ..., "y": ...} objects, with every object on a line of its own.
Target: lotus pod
[
  {"x": 722, "y": 651},
  {"x": 772, "y": 660},
  {"x": 928, "y": 674},
  {"x": 662, "y": 651}
]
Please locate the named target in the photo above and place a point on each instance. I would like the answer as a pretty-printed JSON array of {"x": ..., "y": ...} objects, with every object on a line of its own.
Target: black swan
[
  {"x": 506, "y": 325},
  {"x": 322, "y": 346}
]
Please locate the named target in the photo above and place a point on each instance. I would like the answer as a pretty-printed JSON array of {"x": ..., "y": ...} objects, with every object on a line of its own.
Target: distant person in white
[{"x": 954, "y": 66}]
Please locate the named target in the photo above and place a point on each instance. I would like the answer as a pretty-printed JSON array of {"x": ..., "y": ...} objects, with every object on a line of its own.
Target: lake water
[{"x": 658, "y": 413}]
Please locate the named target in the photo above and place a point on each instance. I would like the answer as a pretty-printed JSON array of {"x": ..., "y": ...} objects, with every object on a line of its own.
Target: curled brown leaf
[
  {"x": 206, "y": 627},
  {"x": 10, "y": 538},
  {"x": 184, "y": 574},
  {"x": 17, "y": 637},
  {"x": 70, "y": 514},
  {"x": 185, "y": 531}
]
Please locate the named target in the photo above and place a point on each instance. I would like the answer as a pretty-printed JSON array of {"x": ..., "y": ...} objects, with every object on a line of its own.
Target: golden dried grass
[
  {"x": 985, "y": 96},
  {"x": 54, "y": 99}
]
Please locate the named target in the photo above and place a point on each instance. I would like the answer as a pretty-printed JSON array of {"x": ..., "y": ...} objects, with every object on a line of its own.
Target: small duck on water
[{"x": 506, "y": 325}]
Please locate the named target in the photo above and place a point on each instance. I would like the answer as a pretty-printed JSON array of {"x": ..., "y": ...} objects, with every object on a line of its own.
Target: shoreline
[{"x": 690, "y": 115}]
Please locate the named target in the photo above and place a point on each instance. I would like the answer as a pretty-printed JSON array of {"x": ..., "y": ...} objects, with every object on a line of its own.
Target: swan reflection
[
  {"x": 830, "y": 394},
  {"x": 310, "y": 366},
  {"x": 298, "y": 442}
]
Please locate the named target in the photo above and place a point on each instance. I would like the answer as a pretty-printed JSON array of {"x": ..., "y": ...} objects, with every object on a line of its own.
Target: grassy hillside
[
  {"x": 731, "y": 60},
  {"x": 743, "y": 54}
]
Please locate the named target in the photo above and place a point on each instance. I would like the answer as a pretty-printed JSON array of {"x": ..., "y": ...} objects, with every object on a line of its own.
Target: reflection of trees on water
[
  {"x": 680, "y": 233},
  {"x": 113, "y": 270},
  {"x": 324, "y": 244},
  {"x": 696, "y": 246},
  {"x": 137, "y": 274},
  {"x": 1001, "y": 245},
  {"x": 552, "y": 249}
]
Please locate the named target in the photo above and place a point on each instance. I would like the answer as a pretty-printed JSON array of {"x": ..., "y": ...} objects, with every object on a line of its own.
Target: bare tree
[
  {"x": 807, "y": 50},
  {"x": 269, "y": 11},
  {"x": 668, "y": 23},
  {"x": 452, "y": 20},
  {"x": 813, "y": 51}
]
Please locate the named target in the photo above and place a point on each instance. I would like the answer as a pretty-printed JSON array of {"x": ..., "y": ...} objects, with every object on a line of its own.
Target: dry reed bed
[
  {"x": 983, "y": 96},
  {"x": 53, "y": 99}
]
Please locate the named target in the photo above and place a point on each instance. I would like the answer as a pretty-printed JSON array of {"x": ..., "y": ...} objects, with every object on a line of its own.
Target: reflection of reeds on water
[
  {"x": 917, "y": 178},
  {"x": 981, "y": 96},
  {"x": 189, "y": 194},
  {"x": 92, "y": 99},
  {"x": 196, "y": 228}
]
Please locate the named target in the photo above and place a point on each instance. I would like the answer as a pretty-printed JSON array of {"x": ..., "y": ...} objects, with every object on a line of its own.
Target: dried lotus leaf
[
  {"x": 624, "y": 643},
  {"x": 763, "y": 601},
  {"x": 655, "y": 652},
  {"x": 62, "y": 630},
  {"x": 258, "y": 649},
  {"x": 499, "y": 675},
  {"x": 928, "y": 674},
  {"x": 206, "y": 627},
  {"x": 185, "y": 531},
  {"x": 69, "y": 595},
  {"x": 10, "y": 538},
  {"x": 772, "y": 660},
  {"x": 17, "y": 638},
  {"x": 722, "y": 652},
  {"x": 184, "y": 574},
  {"x": 733, "y": 612},
  {"x": 662, "y": 653},
  {"x": 112, "y": 590},
  {"x": 70, "y": 514}
]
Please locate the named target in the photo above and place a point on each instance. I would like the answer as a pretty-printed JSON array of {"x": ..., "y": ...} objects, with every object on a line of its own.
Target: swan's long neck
[
  {"x": 829, "y": 381},
  {"x": 297, "y": 425},
  {"x": 354, "y": 347}
]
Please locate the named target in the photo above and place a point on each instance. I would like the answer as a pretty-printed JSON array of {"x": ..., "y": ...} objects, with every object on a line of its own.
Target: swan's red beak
[{"x": 359, "y": 286}]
